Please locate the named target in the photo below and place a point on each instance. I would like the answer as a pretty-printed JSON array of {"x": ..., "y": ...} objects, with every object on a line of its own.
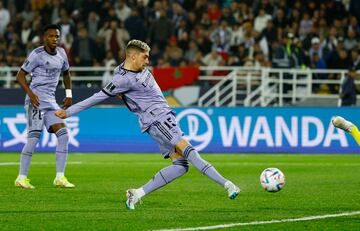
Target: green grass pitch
[{"x": 315, "y": 185}]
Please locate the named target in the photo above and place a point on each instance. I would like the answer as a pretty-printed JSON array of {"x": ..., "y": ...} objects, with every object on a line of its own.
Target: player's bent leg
[
  {"x": 26, "y": 155},
  {"x": 163, "y": 177},
  {"x": 199, "y": 163},
  {"x": 178, "y": 168},
  {"x": 347, "y": 126},
  {"x": 61, "y": 155},
  {"x": 206, "y": 168},
  {"x": 342, "y": 123}
]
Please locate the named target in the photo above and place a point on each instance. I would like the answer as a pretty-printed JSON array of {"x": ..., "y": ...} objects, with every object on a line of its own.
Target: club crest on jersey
[{"x": 110, "y": 87}]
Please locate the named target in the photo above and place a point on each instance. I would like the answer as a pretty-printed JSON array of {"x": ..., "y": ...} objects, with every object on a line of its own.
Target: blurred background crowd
[{"x": 271, "y": 33}]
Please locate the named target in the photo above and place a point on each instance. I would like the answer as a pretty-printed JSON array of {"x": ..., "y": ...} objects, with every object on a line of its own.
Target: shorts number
[
  {"x": 169, "y": 123},
  {"x": 35, "y": 113}
]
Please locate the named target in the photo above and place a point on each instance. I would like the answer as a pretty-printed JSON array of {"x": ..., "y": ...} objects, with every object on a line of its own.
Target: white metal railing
[
  {"x": 294, "y": 85},
  {"x": 221, "y": 93},
  {"x": 83, "y": 74},
  {"x": 233, "y": 88},
  {"x": 235, "y": 85},
  {"x": 278, "y": 87}
]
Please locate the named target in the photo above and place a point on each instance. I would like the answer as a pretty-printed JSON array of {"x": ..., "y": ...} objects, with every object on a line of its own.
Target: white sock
[
  {"x": 140, "y": 192},
  {"x": 20, "y": 177},
  {"x": 59, "y": 174},
  {"x": 228, "y": 184}
]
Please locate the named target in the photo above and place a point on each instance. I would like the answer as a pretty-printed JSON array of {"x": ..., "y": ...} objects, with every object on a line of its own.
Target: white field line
[
  {"x": 214, "y": 162},
  {"x": 162, "y": 162},
  {"x": 223, "y": 226},
  {"x": 289, "y": 164},
  {"x": 36, "y": 163}
]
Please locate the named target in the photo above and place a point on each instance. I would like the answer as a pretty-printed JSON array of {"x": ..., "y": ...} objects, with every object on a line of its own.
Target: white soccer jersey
[
  {"x": 140, "y": 92},
  {"x": 45, "y": 70}
]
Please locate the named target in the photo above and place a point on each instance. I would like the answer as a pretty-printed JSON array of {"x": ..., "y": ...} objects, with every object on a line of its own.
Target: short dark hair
[{"x": 51, "y": 26}]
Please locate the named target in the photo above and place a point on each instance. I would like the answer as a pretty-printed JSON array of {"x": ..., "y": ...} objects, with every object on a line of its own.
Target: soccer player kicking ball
[
  {"x": 45, "y": 64},
  {"x": 143, "y": 97},
  {"x": 347, "y": 126}
]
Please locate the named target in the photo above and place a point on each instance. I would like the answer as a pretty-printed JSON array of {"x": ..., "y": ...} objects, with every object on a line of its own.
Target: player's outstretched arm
[{"x": 85, "y": 104}]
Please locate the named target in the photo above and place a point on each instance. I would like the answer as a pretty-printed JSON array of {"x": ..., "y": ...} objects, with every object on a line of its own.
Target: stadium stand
[{"x": 322, "y": 34}]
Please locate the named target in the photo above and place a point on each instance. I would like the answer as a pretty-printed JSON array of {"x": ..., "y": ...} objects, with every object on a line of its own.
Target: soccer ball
[{"x": 272, "y": 179}]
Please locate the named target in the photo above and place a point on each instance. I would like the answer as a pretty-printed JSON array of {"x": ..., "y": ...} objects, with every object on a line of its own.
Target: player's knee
[
  {"x": 181, "y": 146},
  {"x": 62, "y": 135},
  {"x": 189, "y": 152},
  {"x": 35, "y": 134},
  {"x": 183, "y": 163}
]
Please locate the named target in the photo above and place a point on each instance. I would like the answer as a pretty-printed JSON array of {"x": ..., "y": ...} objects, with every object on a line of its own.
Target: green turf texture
[{"x": 315, "y": 185}]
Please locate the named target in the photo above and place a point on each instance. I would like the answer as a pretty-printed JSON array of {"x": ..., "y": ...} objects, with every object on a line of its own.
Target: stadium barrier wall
[{"x": 220, "y": 130}]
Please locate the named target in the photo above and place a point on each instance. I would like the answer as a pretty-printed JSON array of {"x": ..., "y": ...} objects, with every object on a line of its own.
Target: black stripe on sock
[
  {"x": 61, "y": 135},
  {"x": 27, "y": 153},
  {"x": 210, "y": 166},
  {"x": 187, "y": 151},
  {"x": 204, "y": 167},
  {"x": 35, "y": 131},
  {"x": 163, "y": 177},
  {"x": 61, "y": 132},
  {"x": 34, "y": 134},
  {"x": 203, "y": 170}
]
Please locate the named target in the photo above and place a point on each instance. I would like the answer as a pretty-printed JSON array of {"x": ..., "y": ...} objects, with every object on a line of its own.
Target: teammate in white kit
[
  {"x": 45, "y": 64},
  {"x": 141, "y": 94}
]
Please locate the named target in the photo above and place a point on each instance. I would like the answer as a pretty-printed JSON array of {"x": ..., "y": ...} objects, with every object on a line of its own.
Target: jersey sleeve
[
  {"x": 66, "y": 65},
  {"x": 87, "y": 103},
  {"x": 30, "y": 63},
  {"x": 119, "y": 84}
]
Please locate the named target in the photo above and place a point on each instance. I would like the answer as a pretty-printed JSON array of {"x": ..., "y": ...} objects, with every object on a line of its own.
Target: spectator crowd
[{"x": 272, "y": 33}]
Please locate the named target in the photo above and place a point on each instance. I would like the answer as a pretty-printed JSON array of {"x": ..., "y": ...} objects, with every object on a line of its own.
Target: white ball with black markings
[{"x": 272, "y": 179}]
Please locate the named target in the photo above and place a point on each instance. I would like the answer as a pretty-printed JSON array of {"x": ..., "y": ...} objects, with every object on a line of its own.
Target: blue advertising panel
[{"x": 220, "y": 130}]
